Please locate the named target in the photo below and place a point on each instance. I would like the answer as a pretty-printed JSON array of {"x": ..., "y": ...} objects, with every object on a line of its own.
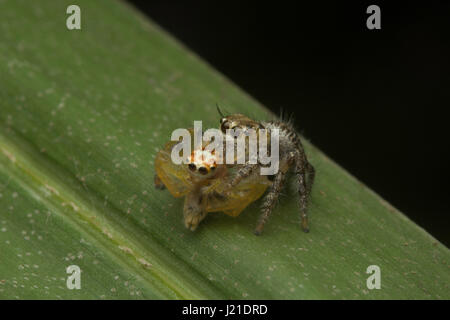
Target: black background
[{"x": 375, "y": 101}]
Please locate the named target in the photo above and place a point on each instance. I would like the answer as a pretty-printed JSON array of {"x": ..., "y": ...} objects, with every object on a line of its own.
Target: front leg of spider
[{"x": 243, "y": 172}]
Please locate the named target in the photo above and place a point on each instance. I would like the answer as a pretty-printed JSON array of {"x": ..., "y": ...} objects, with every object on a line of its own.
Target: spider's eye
[
  {"x": 203, "y": 170},
  {"x": 213, "y": 168},
  {"x": 224, "y": 125},
  {"x": 192, "y": 167}
]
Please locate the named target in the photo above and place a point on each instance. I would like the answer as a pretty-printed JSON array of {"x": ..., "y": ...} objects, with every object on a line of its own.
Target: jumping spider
[
  {"x": 291, "y": 155},
  {"x": 209, "y": 186}
]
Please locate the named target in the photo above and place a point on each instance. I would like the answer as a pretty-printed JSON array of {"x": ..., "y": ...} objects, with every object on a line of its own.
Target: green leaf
[{"x": 82, "y": 115}]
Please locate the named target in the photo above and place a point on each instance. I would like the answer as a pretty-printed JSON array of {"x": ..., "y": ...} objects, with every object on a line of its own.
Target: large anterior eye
[{"x": 224, "y": 126}]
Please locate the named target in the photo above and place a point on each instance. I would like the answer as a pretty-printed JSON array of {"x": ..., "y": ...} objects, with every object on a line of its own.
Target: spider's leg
[
  {"x": 158, "y": 183},
  {"x": 270, "y": 200},
  {"x": 194, "y": 210},
  {"x": 311, "y": 175},
  {"x": 243, "y": 172},
  {"x": 303, "y": 189}
]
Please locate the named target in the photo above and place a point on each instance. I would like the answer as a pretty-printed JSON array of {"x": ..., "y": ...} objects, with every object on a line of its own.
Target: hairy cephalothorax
[{"x": 291, "y": 155}]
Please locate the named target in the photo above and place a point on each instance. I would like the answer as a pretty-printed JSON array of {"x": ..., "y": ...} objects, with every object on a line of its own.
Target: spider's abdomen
[{"x": 288, "y": 138}]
